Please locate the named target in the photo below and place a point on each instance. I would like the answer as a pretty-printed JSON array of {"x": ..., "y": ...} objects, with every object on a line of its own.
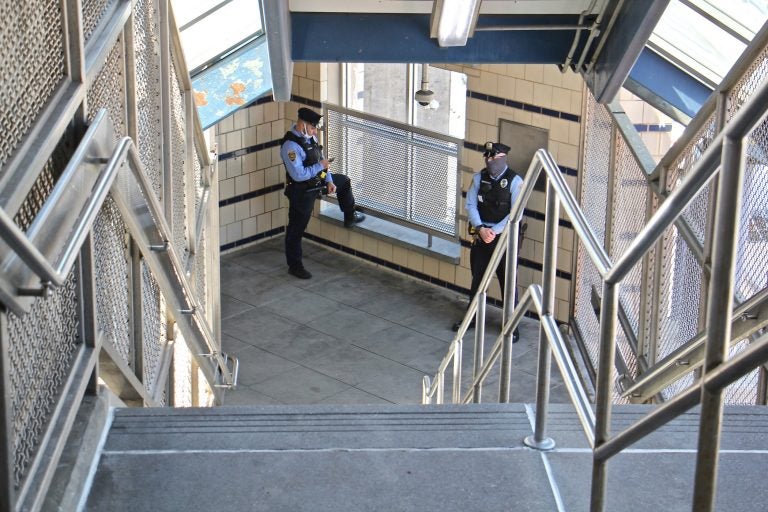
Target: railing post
[
  {"x": 510, "y": 291},
  {"x": 549, "y": 275},
  {"x": 604, "y": 395},
  {"x": 7, "y": 485},
  {"x": 479, "y": 341},
  {"x": 719, "y": 305},
  {"x": 457, "y": 361}
]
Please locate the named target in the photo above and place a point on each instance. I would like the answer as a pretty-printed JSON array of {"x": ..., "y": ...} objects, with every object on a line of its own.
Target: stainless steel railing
[{"x": 726, "y": 154}]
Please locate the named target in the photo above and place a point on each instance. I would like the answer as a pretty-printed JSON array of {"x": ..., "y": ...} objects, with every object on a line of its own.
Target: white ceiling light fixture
[{"x": 453, "y": 21}]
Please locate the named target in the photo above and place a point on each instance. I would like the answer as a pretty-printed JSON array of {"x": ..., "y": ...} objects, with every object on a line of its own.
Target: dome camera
[{"x": 424, "y": 97}]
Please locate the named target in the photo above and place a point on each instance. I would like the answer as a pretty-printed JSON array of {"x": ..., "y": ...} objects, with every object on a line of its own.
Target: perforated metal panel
[
  {"x": 147, "y": 47},
  {"x": 395, "y": 171},
  {"x": 197, "y": 169},
  {"x": 178, "y": 145},
  {"x": 41, "y": 345},
  {"x": 31, "y": 66},
  {"x": 112, "y": 279},
  {"x": 108, "y": 90},
  {"x": 93, "y": 11},
  {"x": 153, "y": 315},
  {"x": 594, "y": 197}
]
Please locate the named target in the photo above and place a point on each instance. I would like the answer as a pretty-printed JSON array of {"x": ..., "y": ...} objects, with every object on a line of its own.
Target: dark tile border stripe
[
  {"x": 272, "y": 143},
  {"x": 251, "y": 195},
  {"x": 528, "y": 107},
  {"x": 254, "y": 238},
  {"x": 653, "y": 127},
  {"x": 393, "y": 266}
]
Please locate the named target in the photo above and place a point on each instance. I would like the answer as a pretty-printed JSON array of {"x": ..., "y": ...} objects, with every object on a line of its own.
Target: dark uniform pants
[
  {"x": 300, "y": 207},
  {"x": 479, "y": 258}
]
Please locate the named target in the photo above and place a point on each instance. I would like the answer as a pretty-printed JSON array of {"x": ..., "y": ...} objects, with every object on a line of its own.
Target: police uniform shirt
[
  {"x": 293, "y": 156},
  {"x": 473, "y": 214}
]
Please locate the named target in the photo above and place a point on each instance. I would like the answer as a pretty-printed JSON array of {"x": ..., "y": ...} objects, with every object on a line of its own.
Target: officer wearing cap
[
  {"x": 489, "y": 200},
  {"x": 306, "y": 176}
]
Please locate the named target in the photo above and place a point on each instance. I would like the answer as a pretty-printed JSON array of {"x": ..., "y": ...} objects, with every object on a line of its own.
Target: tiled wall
[
  {"x": 251, "y": 174},
  {"x": 656, "y": 129}
]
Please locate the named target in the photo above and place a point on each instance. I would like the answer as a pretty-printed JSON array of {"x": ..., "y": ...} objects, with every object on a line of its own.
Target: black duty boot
[
  {"x": 299, "y": 272},
  {"x": 515, "y": 336},
  {"x": 350, "y": 219},
  {"x": 456, "y": 325}
]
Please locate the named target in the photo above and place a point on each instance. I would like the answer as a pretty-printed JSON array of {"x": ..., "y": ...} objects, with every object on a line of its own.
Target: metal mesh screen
[
  {"x": 147, "y": 47},
  {"x": 93, "y": 11},
  {"x": 201, "y": 276},
  {"x": 46, "y": 180},
  {"x": 182, "y": 371},
  {"x": 696, "y": 213},
  {"x": 630, "y": 202},
  {"x": 112, "y": 279},
  {"x": 752, "y": 256},
  {"x": 31, "y": 66},
  {"x": 108, "y": 90},
  {"x": 395, "y": 171},
  {"x": 154, "y": 333},
  {"x": 41, "y": 346},
  {"x": 178, "y": 144},
  {"x": 744, "y": 390},
  {"x": 197, "y": 170},
  {"x": 594, "y": 197}
]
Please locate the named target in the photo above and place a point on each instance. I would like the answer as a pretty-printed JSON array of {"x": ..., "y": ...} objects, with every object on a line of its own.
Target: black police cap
[
  {"x": 310, "y": 116},
  {"x": 494, "y": 148}
]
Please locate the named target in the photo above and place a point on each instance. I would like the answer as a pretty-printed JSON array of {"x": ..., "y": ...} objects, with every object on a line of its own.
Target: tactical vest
[
  {"x": 313, "y": 152},
  {"x": 494, "y": 198}
]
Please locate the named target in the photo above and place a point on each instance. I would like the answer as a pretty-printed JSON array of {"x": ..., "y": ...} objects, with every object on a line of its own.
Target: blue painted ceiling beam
[
  {"x": 667, "y": 87},
  {"x": 343, "y": 37}
]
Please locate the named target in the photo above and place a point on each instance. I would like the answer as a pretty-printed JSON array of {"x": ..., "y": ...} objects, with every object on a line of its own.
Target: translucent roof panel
[
  {"x": 704, "y": 39},
  {"x": 211, "y": 29}
]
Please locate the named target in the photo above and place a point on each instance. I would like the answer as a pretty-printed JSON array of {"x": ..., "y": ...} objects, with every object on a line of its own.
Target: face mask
[{"x": 496, "y": 166}]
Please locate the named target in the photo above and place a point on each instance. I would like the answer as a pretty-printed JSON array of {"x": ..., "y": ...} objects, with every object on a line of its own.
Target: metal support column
[
  {"x": 75, "y": 50},
  {"x": 604, "y": 390},
  {"x": 165, "y": 111},
  {"x": 7, "y": 484},
  {"x": 719, "y": 305},
  {"x": 89, "y": 328},
  {"x": 479, "y": 342},
  {"x": 548, "y": 278},
  {"x": 135, "y": 300}
]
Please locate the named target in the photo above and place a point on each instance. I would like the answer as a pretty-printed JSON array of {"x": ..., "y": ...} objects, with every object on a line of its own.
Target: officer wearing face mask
[
  {"x": 306, "y": 178},
  {"x": 489, "y": 200}
]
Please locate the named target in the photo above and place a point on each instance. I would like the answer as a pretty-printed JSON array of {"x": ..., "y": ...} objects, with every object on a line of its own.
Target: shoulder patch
[{"x": 292, "y": 156}]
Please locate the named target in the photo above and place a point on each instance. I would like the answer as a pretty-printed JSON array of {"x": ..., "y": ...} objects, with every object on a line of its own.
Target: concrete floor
[{"x": 355, "y": 333}]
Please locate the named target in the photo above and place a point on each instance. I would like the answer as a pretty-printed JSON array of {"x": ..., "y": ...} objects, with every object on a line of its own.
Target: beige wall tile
[
  {"x": 264, "y": 222},
  {"x": 270, "y": 112},
  {"x": 271, "y": 176},
  {"x": 542, "y": 95},
  {"x": 488, "y": 83},
  {"x": 226, "y": 125},
  {"x": 234, "y": 167},
  {"x": 384, "y": 251},
  {"x": 257, "y": 205},
  {"x": 524, "y": 91},
  {"x": 506, "y": 87},
  {"x": 234, "y": 141},
  {"x": 534, "y": 73},
  {"x": 250, "y": 227},
  {"x": 463, "y": 277},
  {"x": 552, "y": 75},
  {"x": 240, "y": 119},
  {"x": 561, "y": 99},
  {"x": 234, "y": 232},
  {"x": 447, "y": 271},
  {"x": 242, "y": 184},
  {"x": 249, "y": 163},
  {"x": 256, "y": 115},
  {"x": 279, "y": 218},
  {"x": 226, "y": 215},
  {"x": 226, "y": 189},
  {"x": 370, "y": 245},
  {"x": 431, "y": 266},
  {"x": 299, "y": 69},
  {"x": 271, "y": 201},
  {"x": 516, "y": 70},
  {"x": 257, "y": 180}
]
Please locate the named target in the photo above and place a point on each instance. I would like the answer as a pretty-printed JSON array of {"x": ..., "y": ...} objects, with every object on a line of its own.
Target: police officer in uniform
[
  {"x": 489, "y": 200},
  {"x": 306, "y": 178}
]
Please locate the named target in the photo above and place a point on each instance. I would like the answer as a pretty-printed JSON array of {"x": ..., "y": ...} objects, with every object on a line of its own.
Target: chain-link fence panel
[
  {"x": 154, "y": 327},
  {"x": 112, "y": 274},
  {"x": 147, "y": 47},
  {"x": 41, "y": 348},
  {"x": 395, "y": 171},
  {"x": 32, "y": 65},
  {"x": 107, "y": 90},
  {"x": 178, "y": 157},
  {"x": 93, "y": 11}
]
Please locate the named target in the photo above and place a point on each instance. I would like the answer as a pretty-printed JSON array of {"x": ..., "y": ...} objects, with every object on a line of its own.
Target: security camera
[{"x": 424, "y": 97}]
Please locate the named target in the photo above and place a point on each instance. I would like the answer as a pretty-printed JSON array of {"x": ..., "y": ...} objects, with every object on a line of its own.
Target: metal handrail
[
  {"x": 690, "y": 356},
  {"x": 725, "y": 150}
]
